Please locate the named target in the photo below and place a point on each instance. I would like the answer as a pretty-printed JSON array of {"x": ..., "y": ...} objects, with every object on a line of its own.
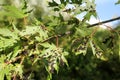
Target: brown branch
[
  {"x": 14, "y": 76},
  {"x": 22, "y": 60},
  {"x": 57, "y": 41},
  {"x": 89, "y": 26},
  {"x": 25, "y": 21},
  {"x": 13, "y": 60},
  {"x": 94, "y": 31},
  {"x": 59, "y": 35}
]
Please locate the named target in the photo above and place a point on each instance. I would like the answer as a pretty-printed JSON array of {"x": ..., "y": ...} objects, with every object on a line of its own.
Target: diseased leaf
[
  {"x": 97, "y": 51},
  {"x": 81, "y": 45},
  {"x": 92, "y": 46}
]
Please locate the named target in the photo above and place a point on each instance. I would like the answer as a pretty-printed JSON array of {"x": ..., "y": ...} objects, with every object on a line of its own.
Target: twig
[
  {"x": 22, "y": 60},
  {"x": 57, "y": 41},
  {"x": 89, "y": 26},
  {"x": 14, "y": 77},
  {"x": 59, "y": 35},
  {"x": 94, "y": 31},
  {"x": 103, "y": 22},
  {"x": 25, "y": 21},
  {"x": 13, "y": 60},
  {"x": 15, "y": 73}
]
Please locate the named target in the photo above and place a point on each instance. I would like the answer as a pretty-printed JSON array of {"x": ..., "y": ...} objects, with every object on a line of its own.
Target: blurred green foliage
[{"x": 43, "y": 40}]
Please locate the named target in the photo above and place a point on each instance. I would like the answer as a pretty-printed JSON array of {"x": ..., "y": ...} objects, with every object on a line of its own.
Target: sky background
[{"x": 106, "y": 9}]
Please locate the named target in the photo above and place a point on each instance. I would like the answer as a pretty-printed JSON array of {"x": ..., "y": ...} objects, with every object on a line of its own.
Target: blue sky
[{"x": 107, "y": 9}]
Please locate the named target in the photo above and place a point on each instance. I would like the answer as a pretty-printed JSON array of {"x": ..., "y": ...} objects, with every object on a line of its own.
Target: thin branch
[
  {"x": 57, "y": 41},
  {"x": 13, "y": 60},
  {"x": 89, "y": 26},
  {"x": 59, "y": 35},
  {"x": 22, "y": 59},
  {"x": 103, "y": 22}
]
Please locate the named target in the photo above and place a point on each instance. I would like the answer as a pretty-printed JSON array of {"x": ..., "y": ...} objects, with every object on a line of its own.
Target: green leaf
[
  {"x": 2, "y": 66},
  {"x": 19, "y": 70},
  {"x": 93, "y": 48},
  {"x": 5, "y": 32},
  {"x": 88, "y": 16},
  {"x": 29, "y": 30},
  {"x": 118, "y": 2},
  {"x": 53, "y": 4},
  {"x": 7, "y": 38},
  {"x": 2, "y": 74},
  {"x": 97, "y": 51},
  {"x": 15, "y": 29},
  {"x": 77, "y": 1},
  {"x": 8, "y": 70},
  {"x": 56, "y": 67},
  {"x": 81, "y": 32},
  {"x": 64, "y": 60},
  {"x": 16, "y": 51},
  {"x": 82, "y": 49},
  {"x": 12, "y": 11},
  {"x": 36, "y": 31},
  {"x": 5, "y": 70},
  {"x": 4, "y": 43},
  {"x": 81, "y": 46},
  {"x": 116, "y": 42},
  {"x": 2, "y": 58},
  {"x": 24, "y": 4},
  {"x": 64, "y": 2},
  {"x": 45, "y": 45},
  {"x": 49, "y": 77}
]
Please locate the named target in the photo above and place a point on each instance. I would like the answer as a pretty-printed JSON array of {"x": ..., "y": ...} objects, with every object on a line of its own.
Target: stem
[
  {"x": 25, "y": 21},
  {"x": 94, "y": 31},
  {"x": 22, "y": 59},
  {"x": 56, "y": 40}
]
